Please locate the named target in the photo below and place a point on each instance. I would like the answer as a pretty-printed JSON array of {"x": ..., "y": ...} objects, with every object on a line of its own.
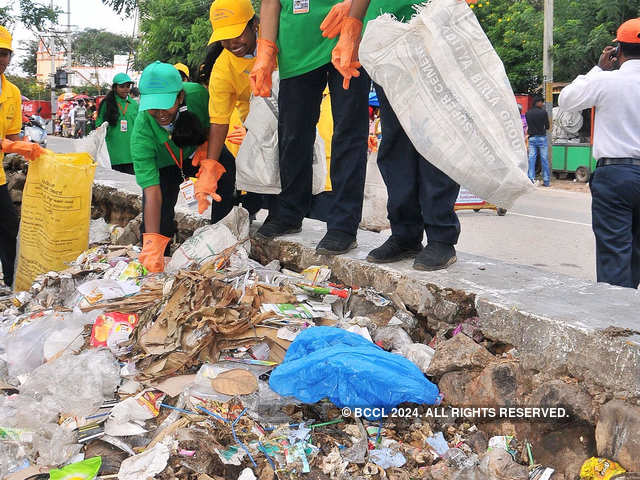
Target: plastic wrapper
[
  {"x": 85, "y": 470},
  {"x": 25, "y": 344},
  {"x": 206, "y": 243},
  {"x": 55, "y": 445},
  {"x": 99, "y": 231},
  {"x": 600, "y": 469},
  {"x": 392, "y": 338},
  {"x": 327, "y": 362},
  {"x": 419, "y": 354},
  {"x": 265, "y": 405},
  {"x": 75, "y": 384}
]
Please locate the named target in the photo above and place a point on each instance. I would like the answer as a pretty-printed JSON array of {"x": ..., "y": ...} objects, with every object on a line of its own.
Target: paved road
[{"x": 549, "y": 229}]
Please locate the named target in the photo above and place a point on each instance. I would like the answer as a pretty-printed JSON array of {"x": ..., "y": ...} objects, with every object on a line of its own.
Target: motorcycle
[{"x": 35, "y": 129}]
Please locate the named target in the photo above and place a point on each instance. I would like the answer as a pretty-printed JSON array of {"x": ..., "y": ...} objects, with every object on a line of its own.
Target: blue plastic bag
[{"x": 328, "y": 362}]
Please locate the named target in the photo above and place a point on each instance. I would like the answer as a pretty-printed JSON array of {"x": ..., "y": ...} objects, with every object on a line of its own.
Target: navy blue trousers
[
  {"x": 299, "y": 105},
  {"x": 615, "y": 209},
  {"x": 421, "y": 197}
]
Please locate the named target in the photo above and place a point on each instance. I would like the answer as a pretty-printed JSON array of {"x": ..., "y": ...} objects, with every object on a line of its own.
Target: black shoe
[
  {"x": 435, "y": 256},
  {"x": 336, "y": 242},
  {"x": 274, "y": 228},
  {"x": 392, "y": 250}
]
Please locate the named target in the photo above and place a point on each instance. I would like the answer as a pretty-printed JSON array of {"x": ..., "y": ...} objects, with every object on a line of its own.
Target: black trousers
[
  {"x": 8, "y": 235},
  {"x": 299, "y": 105},
  {"x": 615, "y": 208},
  {"x": 124, "y": 168},
  {"x": 421, "y": 197}
]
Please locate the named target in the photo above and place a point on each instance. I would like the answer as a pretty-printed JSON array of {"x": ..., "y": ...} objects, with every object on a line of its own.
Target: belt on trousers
[{"x": 603, "y": 162}]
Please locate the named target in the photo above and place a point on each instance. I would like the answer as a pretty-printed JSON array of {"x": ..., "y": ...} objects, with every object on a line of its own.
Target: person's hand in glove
[
  {"x": 237, "y": 136},
  {"x": 264, "y": 67},
  {"x": 28, "y": 150},
  {"x": 207, "y": 184},
  {"x": 345, "y": 54},
  {"x": 332, "y": 24},
  {"x": 152, "y": 255}
]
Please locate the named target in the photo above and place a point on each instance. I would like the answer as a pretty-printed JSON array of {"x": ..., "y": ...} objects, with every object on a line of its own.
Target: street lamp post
[{"x": 547, "y": 67}]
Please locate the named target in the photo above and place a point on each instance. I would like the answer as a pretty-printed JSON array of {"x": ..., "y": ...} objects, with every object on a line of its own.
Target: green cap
[
  {"x": 121, "y": 78},
  {"x": 159, "y": 86}
]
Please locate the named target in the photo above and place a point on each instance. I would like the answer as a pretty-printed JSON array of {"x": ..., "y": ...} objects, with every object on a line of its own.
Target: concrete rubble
[{"x": 491, "y": 336}]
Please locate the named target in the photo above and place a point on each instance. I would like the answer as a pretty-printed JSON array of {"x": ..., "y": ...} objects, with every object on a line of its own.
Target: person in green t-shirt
[
  {"x": 421, "y": 197},
  {"x": 167, "y": 145},
  {"x": 304, "y": 60},
  {"x": 120, "y": 111}
]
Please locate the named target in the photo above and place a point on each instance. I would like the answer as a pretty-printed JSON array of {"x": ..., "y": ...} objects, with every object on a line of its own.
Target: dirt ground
[{"x": 570, "y": 185}]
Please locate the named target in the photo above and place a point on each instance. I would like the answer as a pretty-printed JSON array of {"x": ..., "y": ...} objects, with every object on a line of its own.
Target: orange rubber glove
[
  {"x": 345, "y": 54},
  {"x": 264, "y": 67},
  {"x": 201, "y": 154},
  {"x": 332, "y": 24},
  {"x": 207, "y": 184},
  {"x": 237, "y": 136},
  {"x": 152, "y": 255},
  {"x": 28, "y": 150}
]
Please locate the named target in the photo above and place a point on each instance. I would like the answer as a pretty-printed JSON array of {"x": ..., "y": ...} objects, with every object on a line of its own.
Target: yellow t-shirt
[
  {"x": 10, "y": 116},
  {"x": 229, "y": 87}
]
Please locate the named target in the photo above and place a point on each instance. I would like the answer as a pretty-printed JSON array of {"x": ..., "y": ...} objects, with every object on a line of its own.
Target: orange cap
[{"x": 629, "y": 31}]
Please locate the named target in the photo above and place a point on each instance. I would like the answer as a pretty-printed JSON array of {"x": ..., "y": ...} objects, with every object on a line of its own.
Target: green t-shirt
[
  {"x": 148, "y": 149},
  {"x": 401, "y": 9},
  {"x": 119, "y": 141},
  {"x": 300, "y": 41}
]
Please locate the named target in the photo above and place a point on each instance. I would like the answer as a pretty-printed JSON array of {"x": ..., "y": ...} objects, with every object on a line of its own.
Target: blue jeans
[{"x": 539, "y": 143}]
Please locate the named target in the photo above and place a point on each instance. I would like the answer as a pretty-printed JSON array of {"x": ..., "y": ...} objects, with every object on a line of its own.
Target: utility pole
[
  {"x": 547, "y": 67},
  {"x": 52, "y": 52}
]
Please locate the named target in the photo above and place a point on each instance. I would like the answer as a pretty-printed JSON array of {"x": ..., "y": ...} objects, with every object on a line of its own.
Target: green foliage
[
  {"x": 581, "y": 29},
  {"x": 30, "y": 14},
  {"x": 96, "y": 47},
  {"x": 30, "y": 88},
  {"x": 29, "y": 59}
]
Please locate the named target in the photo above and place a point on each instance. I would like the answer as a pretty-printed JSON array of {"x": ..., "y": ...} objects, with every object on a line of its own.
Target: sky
[{"x": 84, "y": 14}]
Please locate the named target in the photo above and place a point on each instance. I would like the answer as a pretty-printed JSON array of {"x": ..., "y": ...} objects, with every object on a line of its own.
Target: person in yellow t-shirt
[
  {"x": 10, "y": 126},
  {"x": 235, "y": 27}
]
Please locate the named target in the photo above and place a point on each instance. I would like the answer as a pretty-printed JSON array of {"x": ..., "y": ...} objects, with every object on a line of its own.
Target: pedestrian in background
[
  {"x": 120, "y": 111},
  {"x": 184, "y": 71},
  {"x": 537, "y": 126},
  {"x": 613, "y": 87},
  {"x": 304, "y": 61}
]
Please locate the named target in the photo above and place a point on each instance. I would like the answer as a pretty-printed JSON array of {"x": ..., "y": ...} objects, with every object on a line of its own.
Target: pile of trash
[{"x": 223, "y": 368}]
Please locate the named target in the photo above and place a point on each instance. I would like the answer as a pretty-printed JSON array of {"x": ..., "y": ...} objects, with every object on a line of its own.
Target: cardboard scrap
[{"x": 235, "y": 382}]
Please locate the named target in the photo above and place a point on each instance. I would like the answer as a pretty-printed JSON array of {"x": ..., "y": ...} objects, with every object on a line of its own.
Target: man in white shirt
[{"x": 615, "y": 185}]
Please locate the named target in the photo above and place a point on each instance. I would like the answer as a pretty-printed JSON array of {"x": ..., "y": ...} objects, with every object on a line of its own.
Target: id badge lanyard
[
  {"x": 187, "y": 187},
  {"x": 123, "y": 123}
]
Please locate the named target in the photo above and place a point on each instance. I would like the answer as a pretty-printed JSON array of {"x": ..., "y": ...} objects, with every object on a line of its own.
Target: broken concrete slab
[{"x": 533, "y": 310}]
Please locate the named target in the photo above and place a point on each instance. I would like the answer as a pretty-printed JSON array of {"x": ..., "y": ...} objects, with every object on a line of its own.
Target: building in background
[{"x": 82, "y": 75}]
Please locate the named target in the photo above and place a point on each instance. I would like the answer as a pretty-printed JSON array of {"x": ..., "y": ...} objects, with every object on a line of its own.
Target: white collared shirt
[{"x": 616, "y": 96}]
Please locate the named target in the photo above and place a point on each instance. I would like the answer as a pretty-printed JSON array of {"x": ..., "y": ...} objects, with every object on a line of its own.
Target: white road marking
[{"x": 550, "y": 219}]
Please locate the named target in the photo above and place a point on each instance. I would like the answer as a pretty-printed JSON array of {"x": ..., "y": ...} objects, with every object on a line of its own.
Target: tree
[
  {"x": 96, "y": 48},
  {"x": 29, "y": 61},
  {"x": 31, "y": 14},
  {"x": 171, "y": 30},
  {"x": 30, "y": 88}
]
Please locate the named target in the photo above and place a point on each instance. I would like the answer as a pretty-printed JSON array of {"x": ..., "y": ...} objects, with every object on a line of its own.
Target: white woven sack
[{"x": 450, "y": 92}]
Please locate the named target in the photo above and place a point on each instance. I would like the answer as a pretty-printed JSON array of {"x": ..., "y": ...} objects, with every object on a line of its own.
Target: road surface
[{"x": 548, "y": 229}]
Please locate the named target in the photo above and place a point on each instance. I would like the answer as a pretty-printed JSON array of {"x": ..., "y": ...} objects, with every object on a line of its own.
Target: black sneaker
[
  {"x": 336, "y": 242},
  {"x": 435, "y": 256},
  {"x": 274, "y": 228},
  {"x": 393, "y": 250}
]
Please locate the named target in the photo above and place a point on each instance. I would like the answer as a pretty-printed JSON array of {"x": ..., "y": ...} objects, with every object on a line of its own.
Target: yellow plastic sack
[
  {"x": 600, "y": 469},
  {"x": 56, "y": 210}
]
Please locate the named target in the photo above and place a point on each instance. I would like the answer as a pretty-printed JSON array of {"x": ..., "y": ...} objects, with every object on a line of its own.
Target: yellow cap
[
  {"x": 5, "y": 38},
  {"x": 229, "y": 18},
  {"x": 181, "y": 67}
]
